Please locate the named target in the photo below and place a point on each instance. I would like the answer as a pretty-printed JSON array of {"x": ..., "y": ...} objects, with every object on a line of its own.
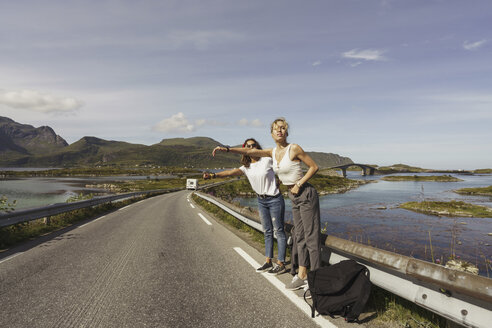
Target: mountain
[
  {"x": 193, "y": 142},
  {"x": 328, "y": 159},
  {"x": 27, "y": 139},
  {"x": 26, "y": 146},
  {"x": 20, "y": 141}
]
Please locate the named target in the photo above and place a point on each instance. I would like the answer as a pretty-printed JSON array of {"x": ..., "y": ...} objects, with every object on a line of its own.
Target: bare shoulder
[{"x": 296, "y": 149}]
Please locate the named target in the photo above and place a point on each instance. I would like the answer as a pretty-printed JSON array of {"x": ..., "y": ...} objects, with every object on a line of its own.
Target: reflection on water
[
  {"x": 370, "y": 215},
  {"x": 35, "y": 192}
]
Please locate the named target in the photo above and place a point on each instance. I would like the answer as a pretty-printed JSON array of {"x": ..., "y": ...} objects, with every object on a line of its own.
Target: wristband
[{"x": 298, "y": 184}]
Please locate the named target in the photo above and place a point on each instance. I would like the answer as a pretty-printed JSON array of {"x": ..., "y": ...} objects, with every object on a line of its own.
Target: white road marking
[
  {"x": 204, "y": 219},
  {"x": 10, "y": 257},
  {"x": 124, "y": 207},
  {"x": 298, "y": 301},
  {"x": 92, "y": 221},
  {"x": 192, "y": 206}
]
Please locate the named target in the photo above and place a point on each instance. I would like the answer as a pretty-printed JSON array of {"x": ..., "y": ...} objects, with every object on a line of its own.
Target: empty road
[{"x": 161, "y": 262}]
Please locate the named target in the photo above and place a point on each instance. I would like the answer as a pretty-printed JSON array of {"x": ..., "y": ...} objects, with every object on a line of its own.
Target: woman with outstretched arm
[
  {"x": 287, "y": 158},
  {"x": 271, "y": 204}
]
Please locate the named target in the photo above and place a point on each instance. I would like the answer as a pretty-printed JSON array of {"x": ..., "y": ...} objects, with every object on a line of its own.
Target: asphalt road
[{"x": 155, "y": 263}]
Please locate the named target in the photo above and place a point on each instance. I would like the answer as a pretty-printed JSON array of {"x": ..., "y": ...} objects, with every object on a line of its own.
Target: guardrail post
[{"x": 47, "y": 220}]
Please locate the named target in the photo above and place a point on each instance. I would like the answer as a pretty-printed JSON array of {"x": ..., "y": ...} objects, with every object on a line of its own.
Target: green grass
[
  {"x": 451, "y": 208},
  {"x": 392, "y": 310},
  {"x": 229, "y": 219},
  {"x": 151, "y": 170},
  {"x": 436, "y": 178},
  {"x": 483, "y": 171},
  {"x": 485, "y": 191},
  {"x": 323, "y": 184},
  {"x": 14, "y": 234}
]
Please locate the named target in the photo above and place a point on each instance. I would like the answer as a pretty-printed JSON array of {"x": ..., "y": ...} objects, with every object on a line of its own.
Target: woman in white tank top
[
  {"x": 271, "y": 204},
  {"x": 287, "y": 160}
]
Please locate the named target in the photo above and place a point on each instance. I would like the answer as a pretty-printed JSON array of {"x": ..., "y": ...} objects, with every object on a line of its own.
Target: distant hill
[
  {"x": 329, "y": 159},
  {"x": 26, "y": 139},
  {"x": 25, "y": 146}
]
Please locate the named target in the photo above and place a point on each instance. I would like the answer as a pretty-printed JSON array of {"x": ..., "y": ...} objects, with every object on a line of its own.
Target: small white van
[{"x": 191, "y": 184}]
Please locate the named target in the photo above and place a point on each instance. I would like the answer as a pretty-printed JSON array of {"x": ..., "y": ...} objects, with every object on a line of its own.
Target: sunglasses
[{"x": 253, "y": 145}]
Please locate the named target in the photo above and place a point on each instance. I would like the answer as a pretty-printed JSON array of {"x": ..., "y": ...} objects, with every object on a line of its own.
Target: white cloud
[
  {"x": 367, "y": 54},
  {"x": 176, "y": 123},
  {"x": 38, "y": 101},
  {"x": 254, "y": 123},
  {"x": 316, "y": 63},
  {"x": 200, "y": 122},
  {"x": 473, "y": 45}
]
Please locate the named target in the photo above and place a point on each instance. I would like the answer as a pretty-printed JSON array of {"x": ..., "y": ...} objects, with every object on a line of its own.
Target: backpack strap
[
  {"x": 313, "y": 298},
  {"x": 311, "y": 306},
  {"x": 358, "y": 306}
]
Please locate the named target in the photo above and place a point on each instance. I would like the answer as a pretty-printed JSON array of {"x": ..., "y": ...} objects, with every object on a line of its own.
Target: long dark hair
[{"x": 246, "y": 160}]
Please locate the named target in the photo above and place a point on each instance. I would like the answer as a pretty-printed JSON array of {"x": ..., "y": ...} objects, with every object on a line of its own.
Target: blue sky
[{"x": 381, "y": 82}]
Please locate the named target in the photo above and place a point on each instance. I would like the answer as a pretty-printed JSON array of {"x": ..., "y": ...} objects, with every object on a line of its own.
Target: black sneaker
[
  {"x": 277, "y": 269},
  {"x": 265, "y": 267}
]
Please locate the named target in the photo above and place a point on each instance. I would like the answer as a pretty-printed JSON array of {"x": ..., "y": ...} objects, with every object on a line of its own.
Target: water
[
  {"x": 42, "y": 191},
  {"x": 369, "y": 214}
]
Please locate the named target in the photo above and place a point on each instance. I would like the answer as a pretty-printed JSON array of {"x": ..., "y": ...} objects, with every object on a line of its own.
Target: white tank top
[
  {"x": 288, "y": 171},
  {"x": 261, "y": 177}
]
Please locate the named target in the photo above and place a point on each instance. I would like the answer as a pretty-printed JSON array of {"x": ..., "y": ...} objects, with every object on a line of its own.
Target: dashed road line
[
  {"x": 298, "y": 301},
  {"x": 192, "y": 206},
  {"x": 204, "y": 219}
]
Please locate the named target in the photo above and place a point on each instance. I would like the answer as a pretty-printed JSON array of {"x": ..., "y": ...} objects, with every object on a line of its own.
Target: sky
[{"x": 381, "y": 82}]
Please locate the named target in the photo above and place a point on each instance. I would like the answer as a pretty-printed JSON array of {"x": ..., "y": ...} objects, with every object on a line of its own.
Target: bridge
[
  {"x": 160, "y": 262},
  {"x": 366, "y": 169}
]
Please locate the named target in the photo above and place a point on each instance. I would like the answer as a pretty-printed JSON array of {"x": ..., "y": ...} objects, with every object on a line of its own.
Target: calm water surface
[
  {"x": 369, "y": 214},
  {"x": 41, "y": 191}
]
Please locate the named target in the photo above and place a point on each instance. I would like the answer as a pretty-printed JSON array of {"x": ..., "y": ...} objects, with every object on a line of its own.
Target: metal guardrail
[
  {"x": 458, "y": 296},
  {"x": 20, "y": 216},
  {"x": 7, "y": 219}
]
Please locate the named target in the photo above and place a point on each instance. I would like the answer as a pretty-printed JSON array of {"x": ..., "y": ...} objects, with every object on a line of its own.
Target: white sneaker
[{"x": 296, "y": 283}]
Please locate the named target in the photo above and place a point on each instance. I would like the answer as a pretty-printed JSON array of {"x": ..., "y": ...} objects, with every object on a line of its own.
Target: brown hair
[{"x": 246, "y": 160}]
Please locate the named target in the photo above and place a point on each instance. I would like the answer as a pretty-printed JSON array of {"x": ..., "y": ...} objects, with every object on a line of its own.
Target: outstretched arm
[
  {"x": 306, "y": 159},
  {"x": 244, "y": 151},
  {"x": 223, "y": 174}
]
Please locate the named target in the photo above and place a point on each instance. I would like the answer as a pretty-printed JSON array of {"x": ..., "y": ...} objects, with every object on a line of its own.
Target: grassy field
[
  {"x": 101, "y": 171},
  {"x": 451, "y": 208},
  {"x": 485, "y": 191},
  {"x": 436, "y": 178},
  {"x": 324, "y": 185}
]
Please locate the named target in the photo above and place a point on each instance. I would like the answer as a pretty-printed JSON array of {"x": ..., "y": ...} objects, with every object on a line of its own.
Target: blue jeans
[{"x": 272, "y": 210}]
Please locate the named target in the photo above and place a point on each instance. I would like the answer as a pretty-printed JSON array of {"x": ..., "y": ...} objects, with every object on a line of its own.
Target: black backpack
[{"x": 342, "y": 288}]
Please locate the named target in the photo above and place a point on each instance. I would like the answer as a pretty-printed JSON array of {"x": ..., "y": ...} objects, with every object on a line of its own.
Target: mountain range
[{"x": 23, "y": 145}]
